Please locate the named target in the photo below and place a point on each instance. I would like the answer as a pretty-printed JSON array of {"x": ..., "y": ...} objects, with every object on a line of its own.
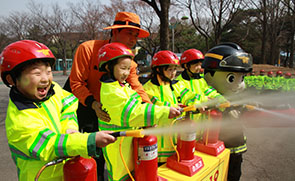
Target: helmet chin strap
[
  {"x": 163, "y": 77},
  {"x": 194, "y": 75}
]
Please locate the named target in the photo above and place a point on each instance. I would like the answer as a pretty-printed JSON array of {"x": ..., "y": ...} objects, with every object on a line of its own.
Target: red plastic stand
[
  {"x": 211, "y": 148},
  {"x": 186, "y": 167}
]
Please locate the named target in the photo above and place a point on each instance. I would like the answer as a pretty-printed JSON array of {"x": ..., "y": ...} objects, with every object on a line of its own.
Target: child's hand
[
  {"x": 103, "y": 138},
  {"x": 202, "y": 110},
  {"x": 174, "y": 112},
  {"x": 70, "y": 131},
  {"x": 102, "y": 115}
]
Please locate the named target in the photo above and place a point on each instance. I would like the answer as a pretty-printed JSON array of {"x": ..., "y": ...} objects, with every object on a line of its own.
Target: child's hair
[
  {"x": 155, "y": 72},
  {"x": 111, "y": 65},
  {"x": 17, "y": 71}
]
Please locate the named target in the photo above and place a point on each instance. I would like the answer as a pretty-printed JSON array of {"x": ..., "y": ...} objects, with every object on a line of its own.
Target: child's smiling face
[
  {"x": 122, "y": 69},
  {"x": 35, "y": 81},
  {"x": 170, "y": 72}
]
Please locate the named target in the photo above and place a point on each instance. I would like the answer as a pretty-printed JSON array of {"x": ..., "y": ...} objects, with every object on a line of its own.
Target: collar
[
  {"x": 155, "y": 81},
  {"x": 106, "y": 78},
  {"x": 22, "y": 102}
]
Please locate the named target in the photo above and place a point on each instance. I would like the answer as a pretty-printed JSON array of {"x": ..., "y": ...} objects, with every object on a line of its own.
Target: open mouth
[{"x": 42, "y": 90}]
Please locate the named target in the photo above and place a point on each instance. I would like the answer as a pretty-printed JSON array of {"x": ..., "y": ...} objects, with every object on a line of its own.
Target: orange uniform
[{"x": 85, "y": 76}]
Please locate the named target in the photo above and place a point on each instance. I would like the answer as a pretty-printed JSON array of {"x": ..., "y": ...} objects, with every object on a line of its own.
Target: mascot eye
[{"x": 230, "y": 78}]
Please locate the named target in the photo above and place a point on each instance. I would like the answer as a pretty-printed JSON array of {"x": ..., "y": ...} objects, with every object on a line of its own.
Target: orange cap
[{"x": 128, "y": 20}]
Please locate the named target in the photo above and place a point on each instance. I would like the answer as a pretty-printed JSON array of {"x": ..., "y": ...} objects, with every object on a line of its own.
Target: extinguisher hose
[
  {"x": 171, "y": 141},
  {"x": 121, "y": 154},
  {"x": 54, "y": 162},
  {"x": 207, "y": 133}
]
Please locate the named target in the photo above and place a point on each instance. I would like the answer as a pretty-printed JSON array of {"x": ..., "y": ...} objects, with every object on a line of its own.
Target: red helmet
[
  {"x": 165, "y": 57},
  {"x": 279, "y": 72},
  {"x": 112, "y": 51},
  {"x": 269, "y": 73},
  {"x": 262, "y": 71},
  {"x": 288, "y": 75},
  {"x": 191, "y": 55},
  {"x": 17, "y": 53}
]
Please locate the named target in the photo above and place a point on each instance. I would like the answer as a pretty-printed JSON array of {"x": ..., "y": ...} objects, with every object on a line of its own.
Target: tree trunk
[
  {"x": 263, "y": 38},
  {"x": 292, "y": 45}
]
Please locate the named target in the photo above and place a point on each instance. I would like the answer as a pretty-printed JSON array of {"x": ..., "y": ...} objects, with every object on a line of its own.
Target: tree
[
  {"x": 210, "y": 18},
  {"x": 163, "y": 14},
  {"x": 59, "y": 27},
  {"x": 290, "y": 27}
]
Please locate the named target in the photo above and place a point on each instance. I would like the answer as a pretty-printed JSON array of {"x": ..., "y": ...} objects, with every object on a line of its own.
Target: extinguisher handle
[{"x": 116, "y": 134}]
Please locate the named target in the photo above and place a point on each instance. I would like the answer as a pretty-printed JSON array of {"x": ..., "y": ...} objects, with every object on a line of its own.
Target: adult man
[{"x": 84, "y": 77}]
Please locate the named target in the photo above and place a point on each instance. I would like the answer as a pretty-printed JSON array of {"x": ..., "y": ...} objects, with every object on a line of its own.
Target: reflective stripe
[
  {"x": 149, "y": 115},
  {"x": 18, "y": 153},
  {"x": 162, "y": 93},
  {"x": 127, "y": 111},
  {"x": 208, "y": 91},
  {"x": 166, "y": 103},
  {"x": 109, "y": 166},
  {"x": 105, "y": 126},
  {"x": 125, "y": 177},
  {"x": 69, "y": 116},
  {"x": 197, "y": 96},
  {"x": 182, "y": 94},
  {"x": 135, "y": 95},
  {"x": 192, "y": 85},
  {"x": 239, "y": 149},
  {"x": 60, "y": 145},
  {"x": 51, "y": 117},
  {"x": 40, "y": 142},
  {"x": 154, "y": 99},
  {"x": 66, "y": 102}
]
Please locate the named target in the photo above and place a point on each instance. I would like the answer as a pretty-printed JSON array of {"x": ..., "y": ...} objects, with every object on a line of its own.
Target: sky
[{"x": 8, "y": 6}]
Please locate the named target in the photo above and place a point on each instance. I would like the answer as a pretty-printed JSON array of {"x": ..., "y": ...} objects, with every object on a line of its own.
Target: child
[
  {"x": 191, "y": 60},
  {"x": 41, "y": 123},
  {"x": 163, "y": 90},
  {"x": 124, "y": 106}
]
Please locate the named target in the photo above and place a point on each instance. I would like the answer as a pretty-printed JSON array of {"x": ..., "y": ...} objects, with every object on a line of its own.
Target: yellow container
[{"x": 215, "y": 169}]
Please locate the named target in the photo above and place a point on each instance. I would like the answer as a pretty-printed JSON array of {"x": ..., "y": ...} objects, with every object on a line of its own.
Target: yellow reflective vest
[
  {"x": 168, "y": 95},
  {"x": 36, "y": 133},
  {"x": 200, "y": 86},
  {"x": 127, "y": 111}
]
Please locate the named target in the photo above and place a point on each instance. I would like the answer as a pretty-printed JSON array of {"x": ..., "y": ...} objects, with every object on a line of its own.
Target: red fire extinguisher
[
  {"x": 75, "y": 169},
  {"x": 187, "y": 162},
  {"x": 145, "y": 152},
  {"x": 210, "y": 143},
  {"x": 80, "y": 169}
]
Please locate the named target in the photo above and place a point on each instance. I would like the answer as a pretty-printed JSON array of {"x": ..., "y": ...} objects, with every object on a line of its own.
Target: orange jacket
[{"x": 85, "y": 76}]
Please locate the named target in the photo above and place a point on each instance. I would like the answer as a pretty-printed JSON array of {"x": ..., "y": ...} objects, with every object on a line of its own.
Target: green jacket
[
  {"x": 168, "y": 95},
  {"x": 127, "y": 112},
  {"x": 36, "y": 133}
]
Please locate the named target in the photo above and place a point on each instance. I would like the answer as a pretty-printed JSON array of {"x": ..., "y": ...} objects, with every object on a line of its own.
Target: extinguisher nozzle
[
  {"x": 132, "y": 133},
  {"x": 135, "y": 133},
  {"x": 224, "y": 105},
  {"x": 250, "y": 107}
]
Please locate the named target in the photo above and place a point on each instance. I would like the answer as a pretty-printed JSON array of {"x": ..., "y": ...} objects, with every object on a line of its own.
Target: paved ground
[{"x": 270, "y": 155}]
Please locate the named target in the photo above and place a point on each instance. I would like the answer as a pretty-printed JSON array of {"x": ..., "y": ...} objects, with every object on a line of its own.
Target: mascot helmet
[{"x": 227, "y": 57}]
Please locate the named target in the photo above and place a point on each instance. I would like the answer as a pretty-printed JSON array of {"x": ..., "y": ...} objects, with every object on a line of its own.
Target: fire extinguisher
[
  {"x": 75, "y": 169},
  {"x": 185, "y": 161},
  {"x": 80, "y": 169},
  {"x": 145, "y": 152},
  {"x": 212, "y": 135}
]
